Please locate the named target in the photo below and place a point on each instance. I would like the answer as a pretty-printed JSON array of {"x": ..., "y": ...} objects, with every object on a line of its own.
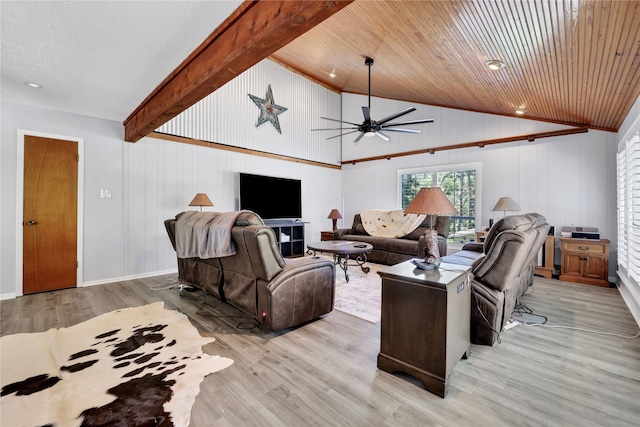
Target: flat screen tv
[{"x": 271, "y": 197}]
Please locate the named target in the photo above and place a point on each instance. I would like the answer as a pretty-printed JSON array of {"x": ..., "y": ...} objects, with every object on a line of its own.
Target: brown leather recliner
[
  {"x": 278, "y": 293},
  {"x": 502, "y": 273}
]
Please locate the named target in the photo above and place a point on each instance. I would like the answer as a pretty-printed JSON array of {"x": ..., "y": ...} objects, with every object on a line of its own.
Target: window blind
[{"x": 628, "y": 170}]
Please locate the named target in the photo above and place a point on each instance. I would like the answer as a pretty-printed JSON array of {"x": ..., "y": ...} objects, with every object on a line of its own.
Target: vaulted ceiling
[
  {"x": 571, "y": 61},
  {"x": 566, "y": 61}
]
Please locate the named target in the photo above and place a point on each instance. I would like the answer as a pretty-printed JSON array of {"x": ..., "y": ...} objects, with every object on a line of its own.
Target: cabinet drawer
[{"x": 585, "y": 247}]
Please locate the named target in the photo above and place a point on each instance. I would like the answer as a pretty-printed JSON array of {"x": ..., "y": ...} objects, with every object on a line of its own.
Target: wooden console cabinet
[
  {"x": 585, "y": 261},
  {"x": 425, "y": 322}
]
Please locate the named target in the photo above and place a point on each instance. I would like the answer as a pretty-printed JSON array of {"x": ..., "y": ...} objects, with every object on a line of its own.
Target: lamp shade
[
  {"x": 506, "y": 204},
  {"x": 334, "y": 214},
  {"x": 201, "y": 200},
  {"x": 431, "y": 201}
]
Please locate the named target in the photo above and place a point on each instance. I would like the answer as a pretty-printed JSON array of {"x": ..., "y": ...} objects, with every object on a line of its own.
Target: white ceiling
[{"x": 98, "y": 58}]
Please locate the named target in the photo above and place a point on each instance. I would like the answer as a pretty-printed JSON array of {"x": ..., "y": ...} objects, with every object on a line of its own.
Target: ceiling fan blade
[
  {"x": 395, "y": 116},
  {"x": 410, "y": 122},
  {"x": 359, "y": 137},
  {"x": 339, "y": 121},
  {"x": 335, "y": 129},
  {"x": 402, "y": 130},
  {"x": 342, "y": 134},
  {"x": 383, "y": 136},
  {"x": 365, "y": 113}
]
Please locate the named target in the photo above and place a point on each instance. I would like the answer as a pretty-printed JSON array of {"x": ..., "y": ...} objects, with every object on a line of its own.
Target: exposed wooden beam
[
  {"x": 530, "y": 137},
  {"x": 253, "y": 32}
]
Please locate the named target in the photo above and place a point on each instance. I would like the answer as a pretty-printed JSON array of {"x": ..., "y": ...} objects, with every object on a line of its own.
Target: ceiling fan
[{"x": 372, "y": 127}]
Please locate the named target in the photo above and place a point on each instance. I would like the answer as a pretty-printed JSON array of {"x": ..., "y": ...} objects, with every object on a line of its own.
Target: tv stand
[{"x": 289, "y": 236}]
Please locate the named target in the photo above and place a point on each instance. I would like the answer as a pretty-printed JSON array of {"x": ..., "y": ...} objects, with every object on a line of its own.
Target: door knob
[{"x": 31, "y": 222}]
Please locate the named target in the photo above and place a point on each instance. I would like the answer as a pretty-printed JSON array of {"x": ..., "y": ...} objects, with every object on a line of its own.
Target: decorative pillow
[{"x": 432, "y": 244}]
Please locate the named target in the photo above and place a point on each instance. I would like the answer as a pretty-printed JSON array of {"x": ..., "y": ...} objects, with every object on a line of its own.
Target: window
[
  {"x": 458, "y": 182},
  {"x": 628, "y": 189}
]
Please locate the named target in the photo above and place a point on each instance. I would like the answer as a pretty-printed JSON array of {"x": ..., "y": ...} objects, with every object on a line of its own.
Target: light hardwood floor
[{"x": 324, "y": 373}]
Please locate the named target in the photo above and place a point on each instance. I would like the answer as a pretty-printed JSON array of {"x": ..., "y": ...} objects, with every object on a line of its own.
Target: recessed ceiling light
[
  {"x": 332, "y": 74},
  {"x": 495, "y": 64},
  {"x": 520, "y": 111},
  {"x": 33, "y": 85}
]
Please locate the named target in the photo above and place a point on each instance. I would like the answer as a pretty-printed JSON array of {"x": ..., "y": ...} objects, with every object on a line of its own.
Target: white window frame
[{"x": 477, "y": 166}]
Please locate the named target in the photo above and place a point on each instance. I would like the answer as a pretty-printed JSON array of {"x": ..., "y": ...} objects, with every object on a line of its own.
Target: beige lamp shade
[
  {"x": 334, "y": 215},
  {"x": 505, "y": 204},
  {"x": 201, "y": 200},
  {"x": 431, "y": 201}
]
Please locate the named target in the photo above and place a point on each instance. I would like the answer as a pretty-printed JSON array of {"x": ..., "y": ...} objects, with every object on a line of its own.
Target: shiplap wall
[
  {"x": 228, "y": 116},
  {"x": 569, "y": 179},
  {"x": 169, "y": 174}
]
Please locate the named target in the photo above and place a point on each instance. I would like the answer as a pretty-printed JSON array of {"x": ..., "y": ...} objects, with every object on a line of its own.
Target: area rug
[
  {"x": 362, "y": 296},
  {"x": 131, "y": 367}
]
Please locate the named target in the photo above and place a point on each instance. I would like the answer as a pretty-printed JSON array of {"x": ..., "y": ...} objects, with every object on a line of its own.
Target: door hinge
[
  {"x": 77, "y": 157},
  {"x": 77, "y": 264}
]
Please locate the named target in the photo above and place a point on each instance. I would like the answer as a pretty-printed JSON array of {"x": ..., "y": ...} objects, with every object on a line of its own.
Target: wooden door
[{"x": 50, "y": 214}]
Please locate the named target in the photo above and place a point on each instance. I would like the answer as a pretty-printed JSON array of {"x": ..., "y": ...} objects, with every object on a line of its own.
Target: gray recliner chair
[{"x": 501, "y": 271}]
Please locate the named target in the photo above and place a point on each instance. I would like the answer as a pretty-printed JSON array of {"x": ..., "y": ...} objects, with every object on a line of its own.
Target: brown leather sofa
[
  {"x": 501, "y": 271},
  {"x": 390, "y": 251},
  {"x": 276, "y": 292}
]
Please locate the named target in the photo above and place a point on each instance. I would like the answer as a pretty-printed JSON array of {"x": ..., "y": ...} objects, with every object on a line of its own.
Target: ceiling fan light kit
[{"x": 371, "y": 127}]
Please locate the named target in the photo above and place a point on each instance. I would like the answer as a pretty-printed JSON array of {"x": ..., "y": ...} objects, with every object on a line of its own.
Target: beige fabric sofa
[
  {"x": 390, "y": 251},
  {"x": 502, "y": 271},
  {"x": 276, "y": 292}
]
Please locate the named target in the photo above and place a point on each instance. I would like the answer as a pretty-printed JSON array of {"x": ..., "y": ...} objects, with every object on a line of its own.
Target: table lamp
[
  {"x": 201, "y": 200},
  {"x": 431, "y": 201},
  {"x": 505, "y": 204},
  {"x": 335, "y": 216}
]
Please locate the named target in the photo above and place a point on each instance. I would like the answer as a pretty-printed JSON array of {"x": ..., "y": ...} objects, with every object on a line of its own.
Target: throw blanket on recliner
[
  {"x": 389, "y": 223},
  {"x": 205, "y": 234}
]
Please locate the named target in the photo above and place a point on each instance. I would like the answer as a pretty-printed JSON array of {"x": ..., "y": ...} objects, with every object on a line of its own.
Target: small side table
[
  {"x": 425, "y": 324},
  {"x": 480, "y": 235},
  {"x": 326, "y": 235}
]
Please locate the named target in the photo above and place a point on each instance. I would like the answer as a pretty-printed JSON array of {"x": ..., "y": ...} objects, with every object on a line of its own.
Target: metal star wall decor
[{"x": 269, "y": 110}]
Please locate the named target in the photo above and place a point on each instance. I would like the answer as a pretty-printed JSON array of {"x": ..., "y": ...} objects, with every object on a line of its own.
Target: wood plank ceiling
[{"x": 566, "y": 61}]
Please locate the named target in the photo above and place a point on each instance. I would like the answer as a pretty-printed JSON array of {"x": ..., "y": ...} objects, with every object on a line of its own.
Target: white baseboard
[
  {"x": 630, "y": 293},
  {"x": 129, "y": 277},
  {"x": 11, "y": 295},
  {"x": 8, "y": 295}
]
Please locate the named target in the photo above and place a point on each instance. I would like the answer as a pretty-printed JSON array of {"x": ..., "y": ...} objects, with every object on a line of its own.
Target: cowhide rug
[{"x": 138, "y": 366}]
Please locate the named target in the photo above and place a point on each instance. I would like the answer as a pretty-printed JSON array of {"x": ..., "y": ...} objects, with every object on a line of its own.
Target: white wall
[
  {"x": 570, "y": 179},
  {"x": 154, "y": 179},
  {"x": 229, "y": 116}
]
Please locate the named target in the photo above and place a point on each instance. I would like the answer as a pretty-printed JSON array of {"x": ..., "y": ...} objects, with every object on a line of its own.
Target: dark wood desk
[{"x": 425, "y": 322}]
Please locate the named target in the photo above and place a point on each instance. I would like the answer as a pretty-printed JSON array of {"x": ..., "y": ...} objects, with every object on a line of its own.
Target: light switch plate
[{"x": 105, "y": 194}]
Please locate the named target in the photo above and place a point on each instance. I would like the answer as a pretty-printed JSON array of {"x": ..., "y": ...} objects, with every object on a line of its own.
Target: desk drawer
[{"x": 585, "y": 247}]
